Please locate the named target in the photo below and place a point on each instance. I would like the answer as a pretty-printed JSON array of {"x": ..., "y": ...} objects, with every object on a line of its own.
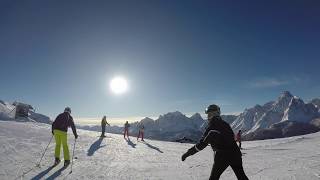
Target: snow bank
[{"x": 7, "y": 112}]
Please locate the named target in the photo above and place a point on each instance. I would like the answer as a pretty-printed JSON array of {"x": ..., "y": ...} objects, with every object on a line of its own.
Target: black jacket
[
  {"x": 219, "y": 135},
  {"x": 63, "y": 121}
]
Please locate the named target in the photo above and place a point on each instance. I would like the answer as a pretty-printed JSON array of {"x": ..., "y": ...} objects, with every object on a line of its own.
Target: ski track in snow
[{"x": 114, "y": 157}]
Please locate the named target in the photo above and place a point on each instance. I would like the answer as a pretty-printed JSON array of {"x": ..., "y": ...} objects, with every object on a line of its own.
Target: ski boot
[
  {"x": 66, "y": 163},
  {"x": 56, "y": 162}
]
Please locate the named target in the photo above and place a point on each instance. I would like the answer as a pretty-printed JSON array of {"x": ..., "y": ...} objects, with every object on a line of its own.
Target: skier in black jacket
[
  {"x": 221, "y": 138},
  {"x": 59, "y": 130}
]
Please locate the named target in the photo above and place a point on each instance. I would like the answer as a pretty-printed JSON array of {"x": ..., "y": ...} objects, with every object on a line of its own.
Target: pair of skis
[
  {"x": 51, "y": 167},
  {"x": 65, "y": 166}
]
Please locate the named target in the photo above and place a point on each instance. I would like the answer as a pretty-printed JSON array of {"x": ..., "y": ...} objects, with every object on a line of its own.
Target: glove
[
  {"x": 184, "y": 156},
  {"x": 76, "y": 136}
]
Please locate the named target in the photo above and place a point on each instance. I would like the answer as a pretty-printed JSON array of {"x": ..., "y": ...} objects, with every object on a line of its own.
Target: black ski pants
[
  {"x": 224, "y": 159},
  {"x": 103, "y": 130}
]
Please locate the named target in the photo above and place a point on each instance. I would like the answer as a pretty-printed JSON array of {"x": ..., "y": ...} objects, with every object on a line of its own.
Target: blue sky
[{"x": 176, "y": 55}]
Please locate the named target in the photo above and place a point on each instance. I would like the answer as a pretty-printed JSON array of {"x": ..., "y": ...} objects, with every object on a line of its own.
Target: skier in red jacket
[
  {"x": 238, "y": 138},
  {"x": 141, "y": 131}
]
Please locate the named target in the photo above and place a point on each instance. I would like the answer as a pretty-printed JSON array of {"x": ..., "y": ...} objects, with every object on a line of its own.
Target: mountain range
[{"x": 287, "y": 116}]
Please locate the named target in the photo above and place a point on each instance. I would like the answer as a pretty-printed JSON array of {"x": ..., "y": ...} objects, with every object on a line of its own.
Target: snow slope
[
  {"x": 7, "y": 112},
  {"x": 114, "y": 158}
]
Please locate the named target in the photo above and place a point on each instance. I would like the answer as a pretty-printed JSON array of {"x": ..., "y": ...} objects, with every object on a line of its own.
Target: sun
[{"x": 118, "y": 85}]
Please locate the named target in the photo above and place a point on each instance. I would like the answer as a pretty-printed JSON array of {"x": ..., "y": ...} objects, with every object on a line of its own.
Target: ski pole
[
  {"x": 74, "y": 145},
  {"x": 44, "y": 151}
]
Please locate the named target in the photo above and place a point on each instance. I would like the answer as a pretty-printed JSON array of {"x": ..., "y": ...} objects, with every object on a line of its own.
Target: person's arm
[
  {"x": 53, "y": 125},
  {"x": 209, "y": 136},
  {"x": 73, "y": 127}
]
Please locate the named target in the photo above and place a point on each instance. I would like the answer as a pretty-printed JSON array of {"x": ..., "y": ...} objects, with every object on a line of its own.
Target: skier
[
  {"x": 103, "y": 125},
  {"x": 238, "y": 138},
  {"x": 59, "y": 130},
  {"x": 141, "y": 131},
  {"x": 221, "y": 138},
  {"x": 126, "y": 129}
]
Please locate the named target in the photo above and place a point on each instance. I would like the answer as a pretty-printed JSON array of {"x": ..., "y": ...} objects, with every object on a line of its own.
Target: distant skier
[
  {"x": 59, "y": 130},
  {"x": 103, "y": 125},
  {"x": 221, "y": 138},
  {"x": 238, "y": 138},
  {"x": 126, "y": 129},
  {"x": 141, "y": 131}
]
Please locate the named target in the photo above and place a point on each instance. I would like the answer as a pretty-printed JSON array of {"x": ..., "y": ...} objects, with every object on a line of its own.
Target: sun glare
[{"x": 118, "y": 85}]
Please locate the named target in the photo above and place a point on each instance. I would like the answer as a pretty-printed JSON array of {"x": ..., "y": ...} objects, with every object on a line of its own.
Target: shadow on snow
[
  {"x": 43, "y": 173},
  {"x": 131, "y": 143},
  {"x": 56, "y": 174},
  {"x": 95, "y": 146},
  {"x": 152, "y": 147}
]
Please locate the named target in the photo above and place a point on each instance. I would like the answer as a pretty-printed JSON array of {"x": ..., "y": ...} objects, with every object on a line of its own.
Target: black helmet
[
  {"x": 67, "y": 109},
  {"x": 213, "y": 108}
]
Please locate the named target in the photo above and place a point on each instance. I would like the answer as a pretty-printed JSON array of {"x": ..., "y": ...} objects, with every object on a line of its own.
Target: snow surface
[{"x": 22, "y": 144}]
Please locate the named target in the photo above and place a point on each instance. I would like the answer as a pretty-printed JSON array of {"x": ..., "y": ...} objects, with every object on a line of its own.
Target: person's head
[
  {"x": 212, "y": 111},
  {"x": 104, "y": 117},
  {"x": 68, "y": 110}
]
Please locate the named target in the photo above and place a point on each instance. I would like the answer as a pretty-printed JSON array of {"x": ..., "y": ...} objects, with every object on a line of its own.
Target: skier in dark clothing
[
  {"x": 103, "y": 125},
  {"x": 126, "y": 129},
  {"x": 59, "y": 130},
  {"x": 221, "y": 138}
]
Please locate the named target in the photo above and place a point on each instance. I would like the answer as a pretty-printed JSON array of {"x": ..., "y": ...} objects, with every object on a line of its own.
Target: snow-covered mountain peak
[
  {"x": 283, "y": 102},
  {"x": 196, "y": 116},
  {"x": 175, "y": 122},
  {"x": 267, "y": 106},
  {"x": 286, "y": 108},
  {"x": 286, "y": 95},
  {"x": 147, "y": 120},
  {"x": 170, "y": 115},
  {"x": 257, "y": 106},
  {"x": 316, "y": 102},
  {"x": 299, "y": 111},
  {"x": 296, "y": 100}
]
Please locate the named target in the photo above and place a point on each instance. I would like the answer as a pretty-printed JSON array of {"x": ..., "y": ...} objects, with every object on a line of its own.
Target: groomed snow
[{"x": 114, "y": 158}]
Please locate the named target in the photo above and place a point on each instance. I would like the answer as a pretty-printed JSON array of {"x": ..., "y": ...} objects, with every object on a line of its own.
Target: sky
[{"x": 176, "y": 55}]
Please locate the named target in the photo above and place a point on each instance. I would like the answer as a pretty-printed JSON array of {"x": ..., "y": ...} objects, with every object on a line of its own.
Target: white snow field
[{"x": 22, "y": 144}]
